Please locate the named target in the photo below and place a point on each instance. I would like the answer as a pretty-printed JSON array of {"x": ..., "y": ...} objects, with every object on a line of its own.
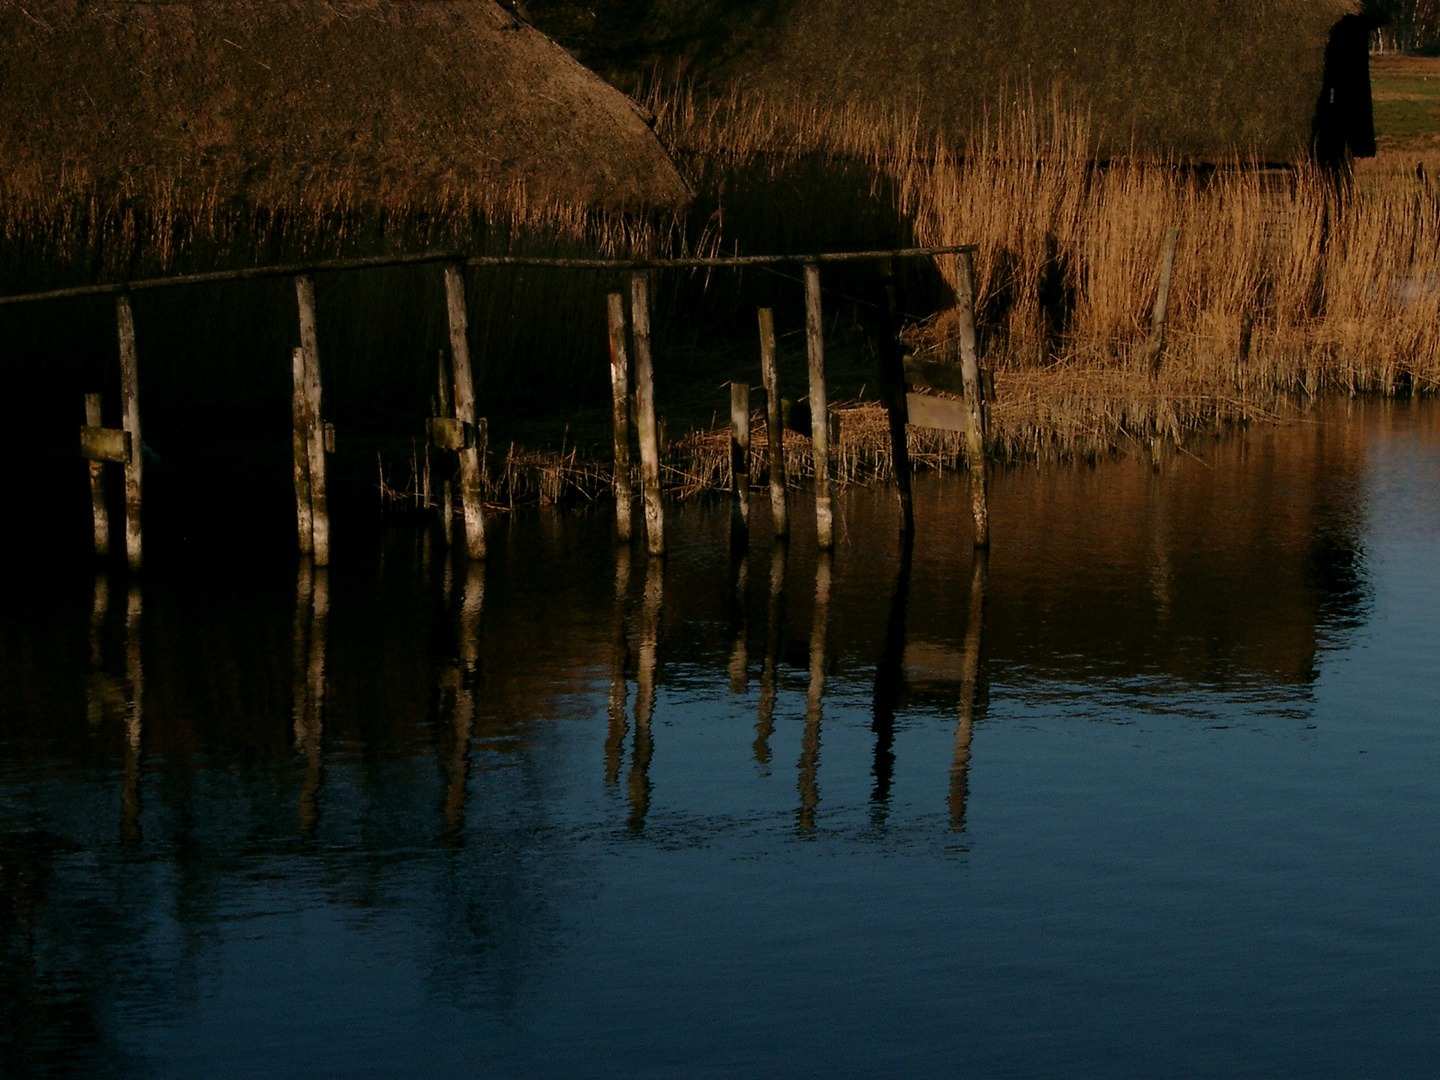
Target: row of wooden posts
[{"x": 456, "y": 427}]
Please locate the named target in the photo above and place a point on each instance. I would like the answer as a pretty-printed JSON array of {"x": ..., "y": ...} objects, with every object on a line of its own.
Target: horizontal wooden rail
[{"x": 258, "y": 273}]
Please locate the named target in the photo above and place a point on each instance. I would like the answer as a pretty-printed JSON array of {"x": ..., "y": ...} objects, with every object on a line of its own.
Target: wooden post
[
  {"x": 98, "y": 509},
  {"x": 740, "y": 458},
  {"x": 819, "y": 411},
  {"x": 445, "y": 407},
  {"x": 314, "y": 421},
  {"x": 300, "y": 447},
  {"x": 620, "y": 403},
  {"x": 645, "y": 407},
  {"x": 974, "y": 400},
  {"x": 774, "y": 424},
  {"x": 130, "y": 421},
  {"x": 892, "y": 393},
  {"x": 1162, "y": 300},
  {"x": 470, "y": 496},
  {"x": 974, "y": 396}
]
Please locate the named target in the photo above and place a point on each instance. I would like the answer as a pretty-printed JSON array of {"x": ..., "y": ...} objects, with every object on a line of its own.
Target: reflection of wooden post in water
[
  {"x": 774, "y": 425},
  {"x": 472, "y": 600},
  {"x": 774, "y": 622},
  {"x": 819, "y": 409},
  {"x": 645, "y": 693},
  {"x": 739, "y": 621},
  {"x": 969, "y": 688},
  {"x": 810, "y": 740},
  {"x": 619, "y": 660},
  {"x": 889, "y": 682},
  {"x": 135, "y": 678},
  {"x": 310, "y": 711}
]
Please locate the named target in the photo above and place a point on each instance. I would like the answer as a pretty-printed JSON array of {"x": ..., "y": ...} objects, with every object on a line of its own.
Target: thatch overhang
[
  {"x": 390, "y": 105},
  {"x": 1203, "y": 80}
]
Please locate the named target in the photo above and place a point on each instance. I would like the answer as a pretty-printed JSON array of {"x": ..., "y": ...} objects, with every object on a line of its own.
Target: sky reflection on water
[{"x": 1152, "y": 791}]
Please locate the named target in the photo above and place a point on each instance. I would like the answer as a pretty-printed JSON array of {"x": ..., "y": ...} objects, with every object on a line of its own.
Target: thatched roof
[
  {"x": 388, "y": 102},
  {"x": 1197, "y": 78}
]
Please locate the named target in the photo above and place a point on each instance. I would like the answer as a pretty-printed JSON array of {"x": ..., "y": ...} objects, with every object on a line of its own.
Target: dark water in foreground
[{"x": 1156, "y": 792}]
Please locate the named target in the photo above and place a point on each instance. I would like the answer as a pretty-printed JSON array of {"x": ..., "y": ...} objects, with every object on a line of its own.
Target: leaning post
[
  {"x": 314, "y": 421},
  {"x": 620, "y": 418},
  {"x": 130, "y": 422},
  {"x": 1162, "y": 300},
  {"x": 465, "y": 410},
  {"x": 740, "y": 457},
  {"x": 819, "y": 411},
  {"x": 645, "y": 407},
  {"x": 974, "y": 402},
  {"x": 98, "y": 509},
  {"x": 774, "y": 425}
]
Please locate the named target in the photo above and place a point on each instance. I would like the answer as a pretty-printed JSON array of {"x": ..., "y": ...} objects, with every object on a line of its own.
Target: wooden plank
[
  {"x": 130, "y": 421},
  {"x": 819, "y": 412},
  {"x": 937, "y": 413},
  {"x": 98, "y": 444},
  {"x": 470, "y": 493},
  {"x": 620, "y": 415},
  {"x": 740, "y": 457},
  {"x": 774, "y": 424},
  {"x": 98, "y": 510},
  {"x": 974, "y": 400},
  {"x": 645, "y": 407},
  {"x": 300, "y": 453},
  {"x": 314, "y": 421}
]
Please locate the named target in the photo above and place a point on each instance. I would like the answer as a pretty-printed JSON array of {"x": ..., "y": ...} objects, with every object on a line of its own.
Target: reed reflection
[
  {"x": 969, "y": 690},
  {"x": 135, "y": 698},
  {"x": 639, "y": 781},
  {"x": 889, "y": 682},
  {"x": 464, "y": 682},
  {"x": 810, "y": 740},
  {"x": 774, "y": 622},
  {"x": 619, "y": 662},
  {"x": 312, "y": 610}
]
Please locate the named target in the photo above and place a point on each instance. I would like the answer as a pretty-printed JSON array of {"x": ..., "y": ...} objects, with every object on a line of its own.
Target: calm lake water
[{"x": 1154, "y": 791}]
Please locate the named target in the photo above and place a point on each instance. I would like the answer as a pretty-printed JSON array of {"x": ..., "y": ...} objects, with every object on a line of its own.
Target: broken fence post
[
  {"x": 819, "y": 412},
  {"x": 645, "y": 408},
  {"x": 974, "y": 401},
  {"x": 620, "y": 419},
  {"x": 470, "y": 495}
]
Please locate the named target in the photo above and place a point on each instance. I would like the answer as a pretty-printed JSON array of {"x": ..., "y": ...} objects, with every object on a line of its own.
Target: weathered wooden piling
[
  {"x": 620, "y": 415},
  {"x": 1161, "y": 310},
  {"x": 740, "y": 458},
  {"x": 892, "y": 393},
  {"x": 445, "y": 410},
  {"x": 98, "y": 509},
  {"x": 645, "y": 409},
  {"x": 774, "y": 424},
  {"x": 130, "y": 422},
  {"x": 470, "y": 493},
  {"x": 314, "y": 421},
  {"x": 819, "y": 410},
  {"x": 974, "y": 399},
  {"x": 300, "y": 452}
]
